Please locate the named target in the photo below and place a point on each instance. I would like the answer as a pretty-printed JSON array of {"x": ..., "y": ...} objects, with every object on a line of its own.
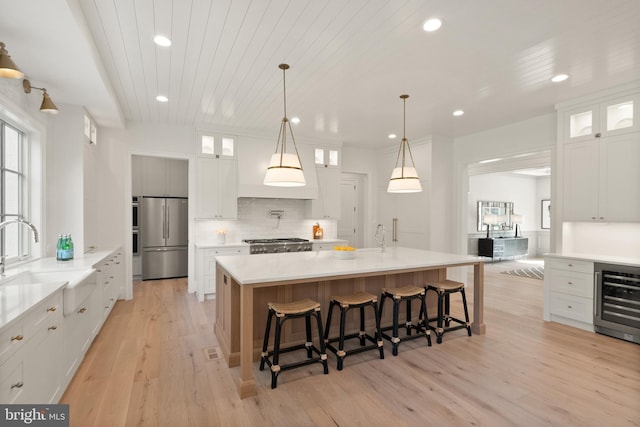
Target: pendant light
[
  {"x": 285, "y": 169},
  {"x": 8, "y": 68},
  {"x": 404, "y": 178}
]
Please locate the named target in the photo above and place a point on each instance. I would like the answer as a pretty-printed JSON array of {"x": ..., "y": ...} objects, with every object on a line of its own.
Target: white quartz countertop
[
  {"x": 16, "y": 300},
  {"x": 629, "y": 261},
  {"x": 249, "y": 269},
  {"x": 18, "y": 296}
]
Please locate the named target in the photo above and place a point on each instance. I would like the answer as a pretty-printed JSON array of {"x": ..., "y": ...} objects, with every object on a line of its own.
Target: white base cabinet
[
  {"x": 30, "y": 370},
  {"x": 568, "y": 288},
  {"x": 42, "y": 350},
  {"x": 206, "y": 268}
]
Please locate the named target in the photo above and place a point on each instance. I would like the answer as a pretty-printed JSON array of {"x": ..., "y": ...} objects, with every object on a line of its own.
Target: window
[
  {"x": 217, "y": 146},
  {"x": 13, "y": 189},
  {"x": 90, "y": 130},
  {"x": 320, "y": 157}
]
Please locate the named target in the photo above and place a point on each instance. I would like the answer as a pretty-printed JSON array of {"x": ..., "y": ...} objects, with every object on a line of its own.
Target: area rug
[{"x": 532, "y": 273}]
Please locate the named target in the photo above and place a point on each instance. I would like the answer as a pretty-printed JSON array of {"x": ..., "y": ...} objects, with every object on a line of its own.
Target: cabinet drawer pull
[
  {"x": 82, "y": 310},
  {"x": 570, "y": 265},
  {"x": 51, "y": 309},
  {"x": 52, "y": 328},
  {"x": 17, "y": 385},
  {"x": 570, "y": 307},
  {"x": 569, "y": 283},
  {"x": 17, "y": 338}
]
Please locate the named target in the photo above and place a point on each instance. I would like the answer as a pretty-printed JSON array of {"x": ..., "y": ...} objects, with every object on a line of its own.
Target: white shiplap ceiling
[{"x": 350, "y": 60}]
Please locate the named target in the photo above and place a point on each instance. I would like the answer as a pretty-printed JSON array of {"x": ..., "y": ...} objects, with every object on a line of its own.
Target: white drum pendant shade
[
  {"x": 404, "y": 177},
  {"x": 287, "y": 173},
  {"x": 404, "y": 182},
  {"x": 285, "y": 169}
]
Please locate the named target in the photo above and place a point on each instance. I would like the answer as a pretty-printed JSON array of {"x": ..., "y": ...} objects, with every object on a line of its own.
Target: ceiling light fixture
[
  {"x": 162, "y": 41},
  {"x": 295, "y": 120},
  {"x": 162, "y": 98},
  {"x": 392, "y": 136},
  {"x": 8, "y": 68},
  {"x": 47, "y": 105},
  {"x": 285, "y": 169},
  {"x": 404, "y": 178},
  {"x": 432, "y": 24},
  {"x": 458, "y": 113},
  {"x": 559, "y": 78}
]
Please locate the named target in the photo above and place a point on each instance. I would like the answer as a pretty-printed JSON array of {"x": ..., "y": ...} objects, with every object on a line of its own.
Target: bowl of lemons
[{"x": 344, "y": 252}]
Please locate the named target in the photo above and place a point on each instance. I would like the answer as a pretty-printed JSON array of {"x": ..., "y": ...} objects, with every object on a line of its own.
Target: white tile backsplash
[{"x": 254, "y": 222}]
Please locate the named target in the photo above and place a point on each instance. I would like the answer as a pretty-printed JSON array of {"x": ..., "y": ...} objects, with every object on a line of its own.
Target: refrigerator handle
[
  {"x": 164, "y": 221},
  {"x": 168, "y": 219}
]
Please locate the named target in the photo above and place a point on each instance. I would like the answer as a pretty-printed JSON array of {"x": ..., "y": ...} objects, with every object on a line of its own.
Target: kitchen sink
[{"x": 79, "y": 284}]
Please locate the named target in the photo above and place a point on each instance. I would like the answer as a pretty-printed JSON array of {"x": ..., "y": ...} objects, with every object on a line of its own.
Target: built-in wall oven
[
  {"x": 617, "y": 301},
  {"x": 135, "y": 225}
]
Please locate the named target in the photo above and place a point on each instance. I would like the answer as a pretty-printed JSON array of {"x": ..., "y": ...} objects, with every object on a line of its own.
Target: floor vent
[{"x": 212, "y": 353}]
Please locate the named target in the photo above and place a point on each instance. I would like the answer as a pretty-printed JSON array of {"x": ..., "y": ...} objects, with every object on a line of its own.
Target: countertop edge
[{"x": 628, "y": 261}]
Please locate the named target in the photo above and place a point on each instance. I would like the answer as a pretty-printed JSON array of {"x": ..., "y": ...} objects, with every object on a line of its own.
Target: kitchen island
[{"x": 246, "y": 283}]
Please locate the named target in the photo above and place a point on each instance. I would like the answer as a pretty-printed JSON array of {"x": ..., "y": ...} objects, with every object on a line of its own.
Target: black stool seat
[
  {"x": 444, "y": 289},
  {"x": 345, "y": 303},
  {"x": 306, "y": 308},
  {"x": 408, "y": 294}
]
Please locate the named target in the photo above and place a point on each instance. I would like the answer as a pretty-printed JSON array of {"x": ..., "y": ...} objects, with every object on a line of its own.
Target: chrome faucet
[
  {"x": 380, "y": 237},
  {"x": 17, "y": 221}
]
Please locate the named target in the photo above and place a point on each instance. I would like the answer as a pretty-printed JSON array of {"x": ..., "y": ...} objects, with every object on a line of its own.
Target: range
[{"x": 270, "y": 246}]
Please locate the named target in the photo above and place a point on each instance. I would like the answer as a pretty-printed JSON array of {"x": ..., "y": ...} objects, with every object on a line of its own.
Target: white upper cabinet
[
  {"x": 613, "y": 117},
  {"x": 327, "y": 205},
  {"x": 217, "y": 177},
  {"x": 599, "y": 157},
  {"x": 162, "y": 177},
  {"x": 253, "y": 158}
]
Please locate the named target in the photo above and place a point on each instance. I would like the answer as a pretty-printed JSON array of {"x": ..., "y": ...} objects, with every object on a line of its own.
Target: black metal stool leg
[
  {"x": 309, "y": 343},
  {"x": 466, "y": 311},
  {"x": 395, "y": 339},
  {"x": 362, "y": 333},
  {"x": 265, "y": 345},
  {"x": 326, "y": 329},
  {"x": 341, "y": 353},
  {"x": 408, "y": 321},
  {"x": 425, "y": 315},
  {"x": 440, "y": 329},
  {"x": 378, "y": 336},
  {"x": 275, "y": 367},
  {"x": 447, "y": 309},
  {"x": 323, "y": 352}
]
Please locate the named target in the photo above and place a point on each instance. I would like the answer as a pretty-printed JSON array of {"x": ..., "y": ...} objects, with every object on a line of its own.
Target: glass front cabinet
[{"x": 613, "y": 117}]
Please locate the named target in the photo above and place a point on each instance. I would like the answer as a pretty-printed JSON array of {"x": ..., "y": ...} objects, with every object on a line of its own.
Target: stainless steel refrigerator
[{"x": 164, "y": 229}]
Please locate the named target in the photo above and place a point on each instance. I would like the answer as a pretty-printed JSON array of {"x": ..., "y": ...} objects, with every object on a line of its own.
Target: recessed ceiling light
[
  {"x": 432, "y": 25},
  {"x": 162, "y": 98},
  {"x": 295, "y": 120},
  {"x": 458, "y": 113},
  {"x": 392, "y": 136},
  {"x": 162, "y": 41},
  {"x": 559, "y": 78}
]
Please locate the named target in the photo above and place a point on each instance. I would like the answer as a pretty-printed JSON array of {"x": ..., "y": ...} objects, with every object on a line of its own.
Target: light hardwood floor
[{"x": 147, "y": 367}]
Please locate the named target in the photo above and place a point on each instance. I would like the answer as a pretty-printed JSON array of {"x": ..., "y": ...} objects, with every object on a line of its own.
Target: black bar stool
[
  {"x": 306, "y": 308},
  {"x": 408, "y": 294},
  {"x": 345, "y": 303},
  {"x": 444, "y": 289}
]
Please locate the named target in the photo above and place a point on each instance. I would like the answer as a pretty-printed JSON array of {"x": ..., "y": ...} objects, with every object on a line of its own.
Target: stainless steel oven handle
[{"x": 596, "y": 287}]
